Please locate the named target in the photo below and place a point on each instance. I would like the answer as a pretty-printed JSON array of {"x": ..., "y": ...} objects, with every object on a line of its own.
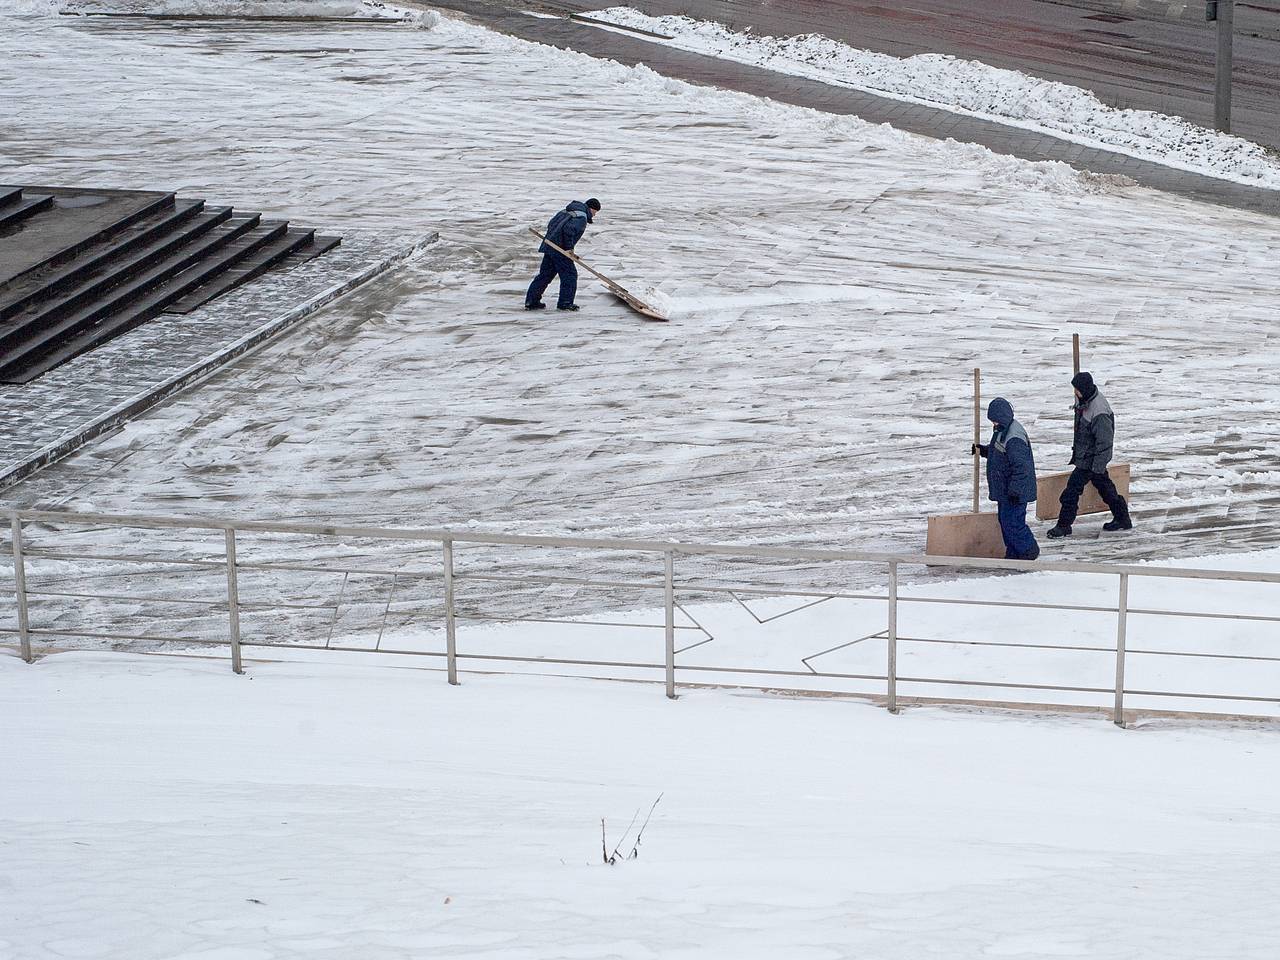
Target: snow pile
[
  {"x": 660, "y": 300},
  {"x": 154, "y": 809},
  {"x": 976, "y": 89}
]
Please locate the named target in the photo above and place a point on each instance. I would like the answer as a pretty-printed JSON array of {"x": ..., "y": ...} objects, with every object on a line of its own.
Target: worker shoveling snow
[{"x": 650, "y": 308}]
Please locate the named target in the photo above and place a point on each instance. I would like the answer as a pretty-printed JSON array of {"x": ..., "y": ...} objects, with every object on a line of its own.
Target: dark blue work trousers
[
  {"x": 554, "y": 264},
  {"x": 1019, "y": 541}
]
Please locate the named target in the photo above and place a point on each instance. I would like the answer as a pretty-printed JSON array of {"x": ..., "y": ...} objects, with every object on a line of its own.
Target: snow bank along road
[
  {"x": 165, "y": 810},
  {"x": 834, "y": 283},
  {"x": 973, "y": 89},
  {"x": 1129, "y": 57}
]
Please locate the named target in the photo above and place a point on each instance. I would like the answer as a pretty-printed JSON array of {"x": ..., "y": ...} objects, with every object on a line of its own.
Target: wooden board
[
  {"x": 1049, "y": 488},
  {"x": 617, "y": 289},
  {"x": 965, "y": 535}
]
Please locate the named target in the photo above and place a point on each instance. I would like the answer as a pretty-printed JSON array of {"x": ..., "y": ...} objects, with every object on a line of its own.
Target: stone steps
[
  {"x": 26, "y": 205},
  {"x": 78, "y": 267},
  {"x": 255, "y": 263}
]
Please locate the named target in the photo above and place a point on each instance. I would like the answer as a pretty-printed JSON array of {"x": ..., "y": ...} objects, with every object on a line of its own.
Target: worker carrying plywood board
[
  {"x": 1011, "y": 479},
  {"x": 1091, "y": 450}
]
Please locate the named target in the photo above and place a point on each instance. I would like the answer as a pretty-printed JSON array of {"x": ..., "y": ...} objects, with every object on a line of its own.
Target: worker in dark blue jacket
[
  {"x": 565, "y": 229},
  {"x": 1011, "y": 479}
]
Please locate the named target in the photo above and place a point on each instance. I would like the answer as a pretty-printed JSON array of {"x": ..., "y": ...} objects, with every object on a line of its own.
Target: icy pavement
[
  {"x": 834, "y": 284},
  {"x": 93, "y": 393},
  {"x": 166, "y": 810}
]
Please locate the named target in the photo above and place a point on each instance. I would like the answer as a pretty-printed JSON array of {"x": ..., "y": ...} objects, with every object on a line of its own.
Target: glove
[
  {"x": 1015, "y": 499},
  {"x": 979, "y": 448}
]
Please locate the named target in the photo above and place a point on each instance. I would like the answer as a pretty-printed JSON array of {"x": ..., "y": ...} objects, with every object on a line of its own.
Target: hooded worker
[
  {"x": 1011, "y": 479},
  {"x": 1091, "y": 449},
  {"x": 565, "y": 229}
]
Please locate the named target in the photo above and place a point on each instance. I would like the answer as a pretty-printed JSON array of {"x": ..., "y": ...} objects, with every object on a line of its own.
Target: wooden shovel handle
[{"x": 575, "y": 258}]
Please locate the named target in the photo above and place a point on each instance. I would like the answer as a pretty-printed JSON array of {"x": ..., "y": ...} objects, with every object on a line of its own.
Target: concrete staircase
[{"x": 80, "y": 266}]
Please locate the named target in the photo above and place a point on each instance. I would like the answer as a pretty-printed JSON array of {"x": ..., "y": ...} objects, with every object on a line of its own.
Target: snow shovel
[{"x": 617, "y": 289}]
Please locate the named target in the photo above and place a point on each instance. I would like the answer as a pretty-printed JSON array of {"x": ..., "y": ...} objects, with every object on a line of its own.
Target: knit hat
[
  {"x": 593, "y": 204},
  {"x": 1083, "y": 381}
]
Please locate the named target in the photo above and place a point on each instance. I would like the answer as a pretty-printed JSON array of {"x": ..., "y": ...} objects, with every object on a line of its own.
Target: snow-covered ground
[
  {"x": 975, "y": 89},
  {"x": 834, "y": 283},
  {"x": 155, "y": 809}
]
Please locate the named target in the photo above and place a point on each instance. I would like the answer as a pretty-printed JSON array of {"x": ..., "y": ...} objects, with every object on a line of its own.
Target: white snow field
[
  {"x": 834, "y": 284},
  {"x": 157, "y": 809},
  {"x": 976, "y": 89}
]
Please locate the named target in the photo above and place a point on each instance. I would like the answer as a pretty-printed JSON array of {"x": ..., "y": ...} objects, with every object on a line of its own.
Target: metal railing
[{"x": 666, "y": 586}]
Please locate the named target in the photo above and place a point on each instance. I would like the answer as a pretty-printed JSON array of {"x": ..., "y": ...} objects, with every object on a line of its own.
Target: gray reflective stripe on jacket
[
  {"x": 1015, "y": 431},
  {"x": 1095, "y": 432}
]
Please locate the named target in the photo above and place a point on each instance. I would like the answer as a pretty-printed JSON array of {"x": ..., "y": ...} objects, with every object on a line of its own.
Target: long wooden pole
[
  {"x": 1075, "y": 353},
  {"x": 977, "y": 436}
]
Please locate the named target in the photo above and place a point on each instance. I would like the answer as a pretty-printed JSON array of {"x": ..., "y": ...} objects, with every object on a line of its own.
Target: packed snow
[
  {"x": 154, "y": 809},
  {"x": 974, "y": 89},
  {"x": 832, "y": 290},
  {"x": 832, "y": 285}
]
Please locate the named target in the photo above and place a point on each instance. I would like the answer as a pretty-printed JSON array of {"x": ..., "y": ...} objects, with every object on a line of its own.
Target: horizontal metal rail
[
  {"x": 681, "y": 586},
  {"x": 571, "y": 622},
  {"x": 113, "y": 596},
  {"x": 570, "y": 581},
  {"x": 637, "y": 546},
  {"x": 655, "y": 550},
  {"x": 122, "y": 558},
  {"x": 123, "y": 636},
  {"x": 213, "y": 605},
  {"x": 504, "y": 658}
]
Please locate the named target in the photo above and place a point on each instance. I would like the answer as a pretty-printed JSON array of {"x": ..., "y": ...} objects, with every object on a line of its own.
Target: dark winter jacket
[
  {"x": 1011, "y": 468},
  {"x": 1095, "y": 432},
  {"x": 567, "y": 227}
]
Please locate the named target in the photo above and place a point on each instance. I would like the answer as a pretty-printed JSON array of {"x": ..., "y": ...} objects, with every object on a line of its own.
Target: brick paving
[
  {"x": 52, "y": 416},
  {"x": 923, "y": 120}
]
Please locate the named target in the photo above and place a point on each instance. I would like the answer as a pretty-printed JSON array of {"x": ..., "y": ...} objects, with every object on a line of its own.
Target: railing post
[
  {"x": 20, "y": 590},
  {"x": 669, "y": 564},
  {"x": 1121, "y": 621},
  {"x": 891, "y": 671},
  {"x": 233, "y": 600},
  {"x": 450, "y": 620}
]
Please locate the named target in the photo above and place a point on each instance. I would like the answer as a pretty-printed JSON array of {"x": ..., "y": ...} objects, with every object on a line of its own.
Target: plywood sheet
[
  {"x": 1049, "y": 488},
  {"x": 965, "y": 535}
]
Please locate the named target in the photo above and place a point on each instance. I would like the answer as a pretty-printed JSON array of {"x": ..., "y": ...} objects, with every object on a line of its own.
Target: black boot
[
  {"x": 1059, "y": 531},
  {"x": 569, "y": 306},
  {"x": 1119, "y": 517},
  {"x": 535, "y": 306}
]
